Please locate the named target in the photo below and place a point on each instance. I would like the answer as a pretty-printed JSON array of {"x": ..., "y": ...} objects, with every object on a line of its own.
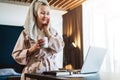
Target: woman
[{"x": 28, "y": 50}]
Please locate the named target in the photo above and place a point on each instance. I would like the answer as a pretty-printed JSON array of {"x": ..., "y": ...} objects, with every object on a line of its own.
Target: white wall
[{"x": 13, "y": 14}]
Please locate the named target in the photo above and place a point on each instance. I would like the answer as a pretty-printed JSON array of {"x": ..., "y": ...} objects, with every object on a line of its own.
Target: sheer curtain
[
  {"x": 104, "y": 30},
  {"x": 113, "y": 34}
]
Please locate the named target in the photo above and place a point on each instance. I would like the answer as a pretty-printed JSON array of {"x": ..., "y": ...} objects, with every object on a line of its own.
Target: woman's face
[{"x": 43, "y": 15}]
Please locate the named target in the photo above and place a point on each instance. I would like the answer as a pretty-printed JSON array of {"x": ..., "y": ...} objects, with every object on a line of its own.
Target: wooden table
[{"x": 99, "y": 76}]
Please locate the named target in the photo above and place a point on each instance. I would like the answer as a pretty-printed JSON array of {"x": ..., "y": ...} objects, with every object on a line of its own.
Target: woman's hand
[
  {"x": 46, "y": 29},
  {"x": 35, "y": 47},
  {"x": 41, "y": 42},
  {"x": 46, "y": 26}
]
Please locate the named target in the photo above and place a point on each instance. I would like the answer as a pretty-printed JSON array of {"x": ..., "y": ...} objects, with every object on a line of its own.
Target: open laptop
[{"x": 92, "y": 64}]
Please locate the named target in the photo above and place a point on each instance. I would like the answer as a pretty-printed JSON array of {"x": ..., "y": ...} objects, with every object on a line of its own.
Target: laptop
[{"x": 92, "y": 64}]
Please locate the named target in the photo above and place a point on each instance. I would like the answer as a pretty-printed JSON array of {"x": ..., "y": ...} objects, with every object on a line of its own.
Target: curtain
[
  {"x": 104, "y": 18},
  {"x": 72, "y": 32},
  {"x": 112, "y": 61}
]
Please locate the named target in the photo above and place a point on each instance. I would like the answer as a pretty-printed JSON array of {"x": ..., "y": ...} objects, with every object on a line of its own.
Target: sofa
[{"x": 9, "y": 69}]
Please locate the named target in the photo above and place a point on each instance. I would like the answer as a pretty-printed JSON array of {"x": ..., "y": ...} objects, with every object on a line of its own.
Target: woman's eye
[
  {"x": 48, "y": 13},
  {"x": 42, "y": 13},
  {"x": 45, "y": 13}
]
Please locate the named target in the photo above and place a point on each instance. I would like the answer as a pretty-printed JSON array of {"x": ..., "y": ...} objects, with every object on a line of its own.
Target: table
[
  {"x": 14, "y": 78},
  {"x": 99, "y": 76}
]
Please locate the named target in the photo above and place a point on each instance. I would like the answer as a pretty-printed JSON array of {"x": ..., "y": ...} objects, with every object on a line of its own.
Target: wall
[{"x": 13, "y": 14}]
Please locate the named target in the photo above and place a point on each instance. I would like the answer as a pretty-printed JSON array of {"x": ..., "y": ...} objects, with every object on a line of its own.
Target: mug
[{"x": 45, "y": 45}]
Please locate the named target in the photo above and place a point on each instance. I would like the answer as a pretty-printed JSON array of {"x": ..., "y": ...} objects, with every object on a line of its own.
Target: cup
[{"x": 45, "y": 45}]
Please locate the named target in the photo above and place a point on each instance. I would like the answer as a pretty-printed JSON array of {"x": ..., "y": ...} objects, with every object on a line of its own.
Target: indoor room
[{"x": 84, "y": 29}]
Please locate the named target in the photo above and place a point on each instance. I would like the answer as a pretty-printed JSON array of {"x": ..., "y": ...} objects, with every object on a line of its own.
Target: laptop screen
[{"x": 94, "y": 59}]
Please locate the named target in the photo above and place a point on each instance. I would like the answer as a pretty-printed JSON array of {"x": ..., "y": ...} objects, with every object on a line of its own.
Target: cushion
[{"x": 7, "y": 72}]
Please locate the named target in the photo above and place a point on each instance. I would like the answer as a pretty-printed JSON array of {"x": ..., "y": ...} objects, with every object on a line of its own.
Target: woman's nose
[{"x": 46, "y": 15}]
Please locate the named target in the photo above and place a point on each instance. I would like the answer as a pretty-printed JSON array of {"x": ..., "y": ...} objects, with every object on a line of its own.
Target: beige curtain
[{"x": 72, "y": 32}]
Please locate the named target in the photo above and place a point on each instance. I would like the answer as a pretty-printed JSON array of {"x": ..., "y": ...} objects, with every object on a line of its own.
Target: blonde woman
[{"x": 28, "y": 50}]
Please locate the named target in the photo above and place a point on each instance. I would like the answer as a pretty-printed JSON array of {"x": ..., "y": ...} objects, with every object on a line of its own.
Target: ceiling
[{"x": 58, "y": 4}]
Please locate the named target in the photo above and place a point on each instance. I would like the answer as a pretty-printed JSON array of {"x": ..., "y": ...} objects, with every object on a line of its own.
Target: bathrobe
[{"x": 42, "y": 60}]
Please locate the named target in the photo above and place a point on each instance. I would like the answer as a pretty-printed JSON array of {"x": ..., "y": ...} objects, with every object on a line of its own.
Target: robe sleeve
[{"x": 20, "y": 51}]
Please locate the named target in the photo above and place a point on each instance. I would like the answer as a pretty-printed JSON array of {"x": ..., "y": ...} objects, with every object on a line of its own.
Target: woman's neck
[{"x": 39, "y": 26}]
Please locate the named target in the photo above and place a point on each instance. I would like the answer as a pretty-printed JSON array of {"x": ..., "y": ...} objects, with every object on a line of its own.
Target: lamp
[{"x": 74, "y": 45}]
